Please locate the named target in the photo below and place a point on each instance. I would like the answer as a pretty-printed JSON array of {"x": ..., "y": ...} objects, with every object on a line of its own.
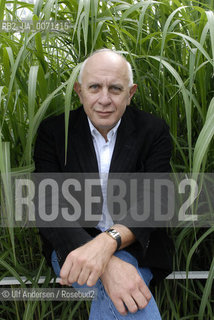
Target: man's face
[{"x": 104, "y": 91}]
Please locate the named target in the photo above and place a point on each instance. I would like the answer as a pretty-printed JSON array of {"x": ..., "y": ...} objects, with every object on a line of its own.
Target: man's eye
[
  {"x": 115, "y": 89},
  {"x": 94, "y": 86}
]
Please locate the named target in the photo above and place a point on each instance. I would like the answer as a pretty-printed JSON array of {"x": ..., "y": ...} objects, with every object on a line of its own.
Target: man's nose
[{"x": 104, "y": 97}]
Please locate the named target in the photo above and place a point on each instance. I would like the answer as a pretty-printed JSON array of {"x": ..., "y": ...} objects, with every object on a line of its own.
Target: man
[{"x": 107, "y": 136}]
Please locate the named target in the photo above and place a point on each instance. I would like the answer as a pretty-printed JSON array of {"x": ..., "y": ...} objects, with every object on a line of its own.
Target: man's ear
[
  {"x": 77, "y": 89},
  {"x": 132, "y": 91}
]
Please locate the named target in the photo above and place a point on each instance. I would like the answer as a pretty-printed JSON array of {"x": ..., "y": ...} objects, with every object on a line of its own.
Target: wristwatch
[{"x": 115, "y": 235}]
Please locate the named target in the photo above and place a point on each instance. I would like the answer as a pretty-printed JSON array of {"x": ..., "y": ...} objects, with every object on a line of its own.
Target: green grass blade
[
  {"x": 2, "y": 6},
  {"x": 204, "y": 139},
  {"x": 166, "y": 27},
  {"x": 32, "y": 91},
  {"x": 43, "y": 108},
  {"x": 196, "y": 44},
  {"x": 68, "y": 95},
  {"x": 185, "y": 97},
  {"x": 31, "y": 108},
  {"x": 210, "y": 17}
]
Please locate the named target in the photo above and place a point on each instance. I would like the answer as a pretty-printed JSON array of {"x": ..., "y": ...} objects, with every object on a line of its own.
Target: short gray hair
[{"x": 130, "y": 73}]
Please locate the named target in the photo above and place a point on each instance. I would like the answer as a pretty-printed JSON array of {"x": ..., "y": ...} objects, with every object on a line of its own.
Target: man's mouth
[{"x": 104, "y": 113}]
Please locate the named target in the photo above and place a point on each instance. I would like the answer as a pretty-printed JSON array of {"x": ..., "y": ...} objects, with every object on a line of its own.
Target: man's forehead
[
  {"x": 107, "y": 63},
  {"x": 92, "y": 78},
  {"x": 104, "y": 74},
  {"x": 111, "y": 57}
]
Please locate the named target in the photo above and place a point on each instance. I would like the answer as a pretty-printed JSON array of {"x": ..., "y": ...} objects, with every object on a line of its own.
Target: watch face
[{"x": 114, "y": 233}]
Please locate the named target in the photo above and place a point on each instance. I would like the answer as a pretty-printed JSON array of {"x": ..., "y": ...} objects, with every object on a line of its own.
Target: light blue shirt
[{"x": 104, "y": 151}]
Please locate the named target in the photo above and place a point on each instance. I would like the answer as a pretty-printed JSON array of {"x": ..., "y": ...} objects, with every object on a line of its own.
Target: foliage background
[{"x": 170, "y": 45}]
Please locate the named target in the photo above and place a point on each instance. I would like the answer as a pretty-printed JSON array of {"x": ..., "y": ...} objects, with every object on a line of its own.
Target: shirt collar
[{"x": 95, "y": 132}]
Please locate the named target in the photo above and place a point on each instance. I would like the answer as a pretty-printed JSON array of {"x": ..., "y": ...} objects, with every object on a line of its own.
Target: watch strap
[{"x": 114, "y": 234}]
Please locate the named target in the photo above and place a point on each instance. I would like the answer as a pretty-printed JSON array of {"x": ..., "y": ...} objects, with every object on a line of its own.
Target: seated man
[{"x": 107, "y": 135}]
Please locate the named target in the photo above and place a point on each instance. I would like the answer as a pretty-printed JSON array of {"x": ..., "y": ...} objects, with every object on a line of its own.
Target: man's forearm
[
  {"x": 88, "y": 262},
  {"x": 127, "y": 236}
]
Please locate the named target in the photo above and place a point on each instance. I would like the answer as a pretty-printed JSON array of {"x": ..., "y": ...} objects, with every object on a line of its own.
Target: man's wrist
[
  {"x": 114, "y": 234},
  {"x": 109, "y": 243}
]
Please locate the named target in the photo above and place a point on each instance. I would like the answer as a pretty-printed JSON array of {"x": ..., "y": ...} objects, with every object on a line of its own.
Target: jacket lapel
[
  {"x": 82, "y": 144},
  {"x": 125, "y": 144}
]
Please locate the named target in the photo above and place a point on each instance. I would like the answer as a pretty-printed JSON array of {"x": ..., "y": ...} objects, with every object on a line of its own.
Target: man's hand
[
  {"x": 86, "y": 263},
  {"x": 125, "y": 286}
]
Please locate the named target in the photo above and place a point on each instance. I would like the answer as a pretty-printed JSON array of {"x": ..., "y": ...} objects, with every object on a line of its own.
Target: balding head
[{"x": 108, "y": 53}]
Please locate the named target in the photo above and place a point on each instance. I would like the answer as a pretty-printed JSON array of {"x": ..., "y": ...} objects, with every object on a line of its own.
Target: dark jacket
[{"x": 142, "y": 145}]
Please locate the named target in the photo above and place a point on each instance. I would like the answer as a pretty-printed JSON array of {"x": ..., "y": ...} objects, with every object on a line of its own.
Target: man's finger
[
  {"x": 92, "y": 279},
  {"x": 140, "y": 299},
  {"x": 119, "y": 305},
  {"x": 130, "y": 304},
  {"x": 64, "y": 272},
  {"x": 73, "y": 274},
  {"x": 83, "y": 277},
  {"x": 145, "y": 291}
]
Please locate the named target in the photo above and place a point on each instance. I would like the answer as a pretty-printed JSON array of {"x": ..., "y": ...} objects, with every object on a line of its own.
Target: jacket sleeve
[
  {"x": 157, "y": 161},
  {"x": 62, "y": 240}
]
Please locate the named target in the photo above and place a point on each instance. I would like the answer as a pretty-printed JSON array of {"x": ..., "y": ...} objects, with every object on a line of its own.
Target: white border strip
[
  {"x": 176, "y": 275},
  {"x": 190, "y": 275}
]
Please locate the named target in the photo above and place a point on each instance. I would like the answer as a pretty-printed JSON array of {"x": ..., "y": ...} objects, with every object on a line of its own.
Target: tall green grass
[{"x": 170, "y": 45}]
